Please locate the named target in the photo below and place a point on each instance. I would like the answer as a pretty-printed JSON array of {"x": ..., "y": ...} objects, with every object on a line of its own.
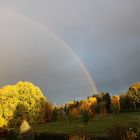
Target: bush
[
  {"x": 79, "y": 134},
  {"x": 74, "y": 113},
  {"x": 60, "y": 113},
  {"x": 103, "y": 109},
  {"x": 48, "y": 112},
  {"x": 12, "y": 135},
  {"x": 54, "y": 115},
  {"x": 116, "y": 131},
  {"x": 85, "y": 116},
  {"x": 131, "y": 134},
  {"x": 97, "y": 108}
]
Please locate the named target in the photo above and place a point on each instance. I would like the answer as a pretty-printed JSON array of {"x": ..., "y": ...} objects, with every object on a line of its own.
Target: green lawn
[{"x": 97, "y": 127}]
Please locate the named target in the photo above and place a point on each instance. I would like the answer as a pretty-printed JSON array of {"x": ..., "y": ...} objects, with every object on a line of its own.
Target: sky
[{"x": 70, "y": 48}]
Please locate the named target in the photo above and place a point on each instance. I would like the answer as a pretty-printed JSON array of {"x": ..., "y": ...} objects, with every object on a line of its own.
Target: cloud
[
  {"x": 29, "y": 53},
  {"x": 105, "y": 35}
]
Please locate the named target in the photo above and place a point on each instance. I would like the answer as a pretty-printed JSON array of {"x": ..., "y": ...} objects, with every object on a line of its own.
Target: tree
[
  {"x": 134, "y": 94},
  {"x": 85, "y": 116},
  {"x": 17, "y": 101},
  {"x": 125, "y": 102},
  {"x": 103, "y": 108},
  {"x": 115, "y": 102},
  {"x": 74, "y": 113},
  {"x": 54, "y": 115},
  {"x": 103, "y": 97},
  {"x": 48, "y": 112}
]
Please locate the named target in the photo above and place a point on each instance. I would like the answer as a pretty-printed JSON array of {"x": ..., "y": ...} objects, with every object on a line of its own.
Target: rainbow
[{"x": 52, "y": 34}]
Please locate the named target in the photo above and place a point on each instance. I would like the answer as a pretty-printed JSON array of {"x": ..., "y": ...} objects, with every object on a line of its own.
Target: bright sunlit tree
[{"x": 19, "y": 102}]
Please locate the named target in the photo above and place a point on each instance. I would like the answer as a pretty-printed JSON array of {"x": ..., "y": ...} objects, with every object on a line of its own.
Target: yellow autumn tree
[
  {"x": 134, "y": 95},
  {"x": 20, "y": 101},
  {"x": 74, "y": 113},
  {"x": 88, "y": 106},
  {"x": 88, "y": 103},
  {"x": 115, "y": 102}
]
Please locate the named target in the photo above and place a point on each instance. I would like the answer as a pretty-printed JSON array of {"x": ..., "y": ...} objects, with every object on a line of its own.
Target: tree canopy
[{"x": 20, "y": 101}]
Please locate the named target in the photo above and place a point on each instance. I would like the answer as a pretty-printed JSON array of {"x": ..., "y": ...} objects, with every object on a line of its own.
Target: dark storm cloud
[{"x": 105, "y": 35}]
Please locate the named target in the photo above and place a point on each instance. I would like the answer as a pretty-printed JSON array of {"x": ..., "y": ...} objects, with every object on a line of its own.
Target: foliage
[
  {"x": 85, "y": 116},
  {"x": 97, "y": 108},
  {"x": 60, "y": 113},
  {"x": 107, "y": 100},
  {"x": 125, "y": 103},
  {"x": 103, "y": 97},
  {"x": 115, "y": 102},
  {"x": 74, "y": 113},
  {"x": 19, "y": 101},
  {"x": 54, "y": 116},
  {"x": 131, "y": 134},
  {"x": 103, "y": 110},
  {"x": 92, "y": 111},
  {"x": 48, "y": 112},
  {"x": 134, "y": 95},
  {"x": 79, "y": 134},
  {"x": 116, "y": 131},
  {"x": 84, "y": 106},
  {"x": 91, "y": 101},
  {"x": 71, "y": 104},
  {"x": 77, "y": 137},
  {"x": 12, "y": 135},
  {"x": 87, "y": 104},
  {"x": 121, "y": 132}
]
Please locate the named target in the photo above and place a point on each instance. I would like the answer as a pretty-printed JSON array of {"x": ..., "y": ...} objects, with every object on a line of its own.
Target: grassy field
[{"x": 96, "y": 127}]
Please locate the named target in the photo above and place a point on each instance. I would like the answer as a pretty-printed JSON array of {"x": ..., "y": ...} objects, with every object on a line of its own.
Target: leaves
[{"x": 21, "y": 100}]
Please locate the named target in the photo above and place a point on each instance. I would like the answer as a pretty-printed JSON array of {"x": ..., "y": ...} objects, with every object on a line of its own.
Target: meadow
[{"x": 97, "y": 126}]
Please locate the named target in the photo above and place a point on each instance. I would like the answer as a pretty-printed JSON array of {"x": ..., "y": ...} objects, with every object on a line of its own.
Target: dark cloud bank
[{"x": 104, "y": 34}]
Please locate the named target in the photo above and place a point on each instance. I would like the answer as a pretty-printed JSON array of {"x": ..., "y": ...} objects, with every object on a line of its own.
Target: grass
[{"x": 96, "y": 127}]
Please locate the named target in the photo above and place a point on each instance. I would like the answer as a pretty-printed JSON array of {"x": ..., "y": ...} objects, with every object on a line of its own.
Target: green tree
[
  {"x": 125, "y": 102},
  {"x": 85, "y": 116}
]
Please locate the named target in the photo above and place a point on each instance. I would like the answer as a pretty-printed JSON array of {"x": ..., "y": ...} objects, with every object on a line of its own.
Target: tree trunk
[{"x": 134, "y": 106}]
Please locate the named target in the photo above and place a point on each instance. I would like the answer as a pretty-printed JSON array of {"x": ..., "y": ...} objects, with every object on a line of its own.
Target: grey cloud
[{"x": 104, "y": 34}]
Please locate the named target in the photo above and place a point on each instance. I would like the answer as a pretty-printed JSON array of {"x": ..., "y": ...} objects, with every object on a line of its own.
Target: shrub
[
  {"x": 79, "y": 134},
  {"x": 54, "y": 115},
  {"x": 97, "y": 108},
  {"x": 48, "y": 112},
  {"x": 125, "y": 103},
  {"x": 85, "y": 116},
  {"x": 60, "y": 113},
  {"x": 12, "y": 135},
  {"x": 74, "y": 113},
  {"x": 116, "y": 131},
  {"x": 92, "y": 112},
  {"x": 103, "y": 109},
  {"x": 131, "y": 134}
]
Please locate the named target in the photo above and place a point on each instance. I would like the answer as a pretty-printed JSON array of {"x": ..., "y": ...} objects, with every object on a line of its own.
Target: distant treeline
[{"x": 126, "y": 102}]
